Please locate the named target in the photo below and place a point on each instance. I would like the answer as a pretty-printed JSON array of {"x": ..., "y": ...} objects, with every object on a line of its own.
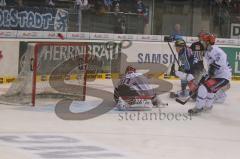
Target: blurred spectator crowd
[
  {"x": 116, "y": 8},
  {"x": 232, "y": 7},
  {"x": 126, "y": 6}
]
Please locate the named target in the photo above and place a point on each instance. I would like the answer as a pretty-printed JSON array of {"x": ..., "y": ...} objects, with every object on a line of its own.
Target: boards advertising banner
[
  {"x": 233, "y": 54},
  {"x": 34, "y": 19},
  {"x": 9, "y": 61}
]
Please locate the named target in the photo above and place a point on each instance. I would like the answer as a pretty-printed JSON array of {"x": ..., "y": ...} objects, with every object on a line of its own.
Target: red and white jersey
[
  {"x": 216, "y": 55},
  {"x": 138, "y": 82}
]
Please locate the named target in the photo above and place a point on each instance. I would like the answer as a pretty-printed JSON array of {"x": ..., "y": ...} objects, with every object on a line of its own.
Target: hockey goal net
[{"x": 50, "y": 70}]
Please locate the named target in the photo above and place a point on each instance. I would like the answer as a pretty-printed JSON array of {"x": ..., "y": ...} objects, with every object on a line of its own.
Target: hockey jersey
[
  {"x": 215, "y": 55},
  {"x": 198, "y": 50},
  {"x": 187, "y": 60},
  {"x": 137, "y": 82}
]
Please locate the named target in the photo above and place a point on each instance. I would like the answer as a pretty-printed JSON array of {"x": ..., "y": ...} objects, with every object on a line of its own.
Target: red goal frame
[{"x": 35, "y": 63}]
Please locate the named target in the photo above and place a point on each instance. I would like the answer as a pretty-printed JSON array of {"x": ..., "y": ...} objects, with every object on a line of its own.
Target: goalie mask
[{"x": 130, "y": 69}]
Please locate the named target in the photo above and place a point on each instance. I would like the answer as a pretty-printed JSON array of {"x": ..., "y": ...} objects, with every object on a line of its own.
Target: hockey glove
[
  {"x": 190, "y": 77},
  {"x": 204, "y": 78},
  {"x": 181, "y": 75},
  {"x": 184, "y": 76},
  {"x": 168, "y": 38},
  {"x": 181, "y": 68},
  {"x": 192, "y": 86}
]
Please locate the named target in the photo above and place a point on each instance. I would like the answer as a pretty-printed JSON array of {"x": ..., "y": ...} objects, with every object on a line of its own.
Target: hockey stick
[
  {"x": 190, "y": 96},
  {"x": 177, "y": 99},
  {"x": 186, "y": 100},
  {"x": 173, "y": 54}
]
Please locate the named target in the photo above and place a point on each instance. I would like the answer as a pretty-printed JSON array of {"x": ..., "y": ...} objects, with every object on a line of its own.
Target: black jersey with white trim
[{"x": 198, "y": 50}]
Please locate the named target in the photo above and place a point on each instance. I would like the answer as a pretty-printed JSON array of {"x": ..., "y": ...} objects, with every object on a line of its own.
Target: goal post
[
  {"x": 50, "y": 70},
  {"x": 75, "y": 51}
]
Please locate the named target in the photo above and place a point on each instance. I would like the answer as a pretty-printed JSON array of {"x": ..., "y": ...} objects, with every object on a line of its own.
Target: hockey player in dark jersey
[
  {"x": 133, "y": 92},
  {"x": 198, "y": 52}
]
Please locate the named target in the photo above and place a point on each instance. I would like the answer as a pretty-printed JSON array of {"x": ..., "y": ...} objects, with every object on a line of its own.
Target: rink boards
[{"x": 140, "y": 52}]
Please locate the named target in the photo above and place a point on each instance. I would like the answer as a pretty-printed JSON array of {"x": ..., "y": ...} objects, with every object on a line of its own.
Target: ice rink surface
[{"x": 37, "y": 133}]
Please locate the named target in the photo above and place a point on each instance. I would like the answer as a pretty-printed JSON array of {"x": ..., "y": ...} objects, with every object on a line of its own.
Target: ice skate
[
  {"x": 207, "y": 109},
  {"x": 157, "y": 102},
  {"x": 195, "y": 111},
  {"x": 179, "y": 94}
]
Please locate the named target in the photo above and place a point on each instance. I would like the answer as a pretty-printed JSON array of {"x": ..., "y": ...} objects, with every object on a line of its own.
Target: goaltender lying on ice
[{"x": 134, "y": 92}]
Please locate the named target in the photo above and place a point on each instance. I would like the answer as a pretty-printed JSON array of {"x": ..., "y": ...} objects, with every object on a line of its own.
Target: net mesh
[{"x": 60, "y": 73}]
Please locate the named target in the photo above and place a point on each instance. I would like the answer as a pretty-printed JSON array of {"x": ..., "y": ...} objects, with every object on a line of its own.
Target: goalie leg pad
[
  {"x": 138, "y": 103},
  {"x": 141, "y": 105}
]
